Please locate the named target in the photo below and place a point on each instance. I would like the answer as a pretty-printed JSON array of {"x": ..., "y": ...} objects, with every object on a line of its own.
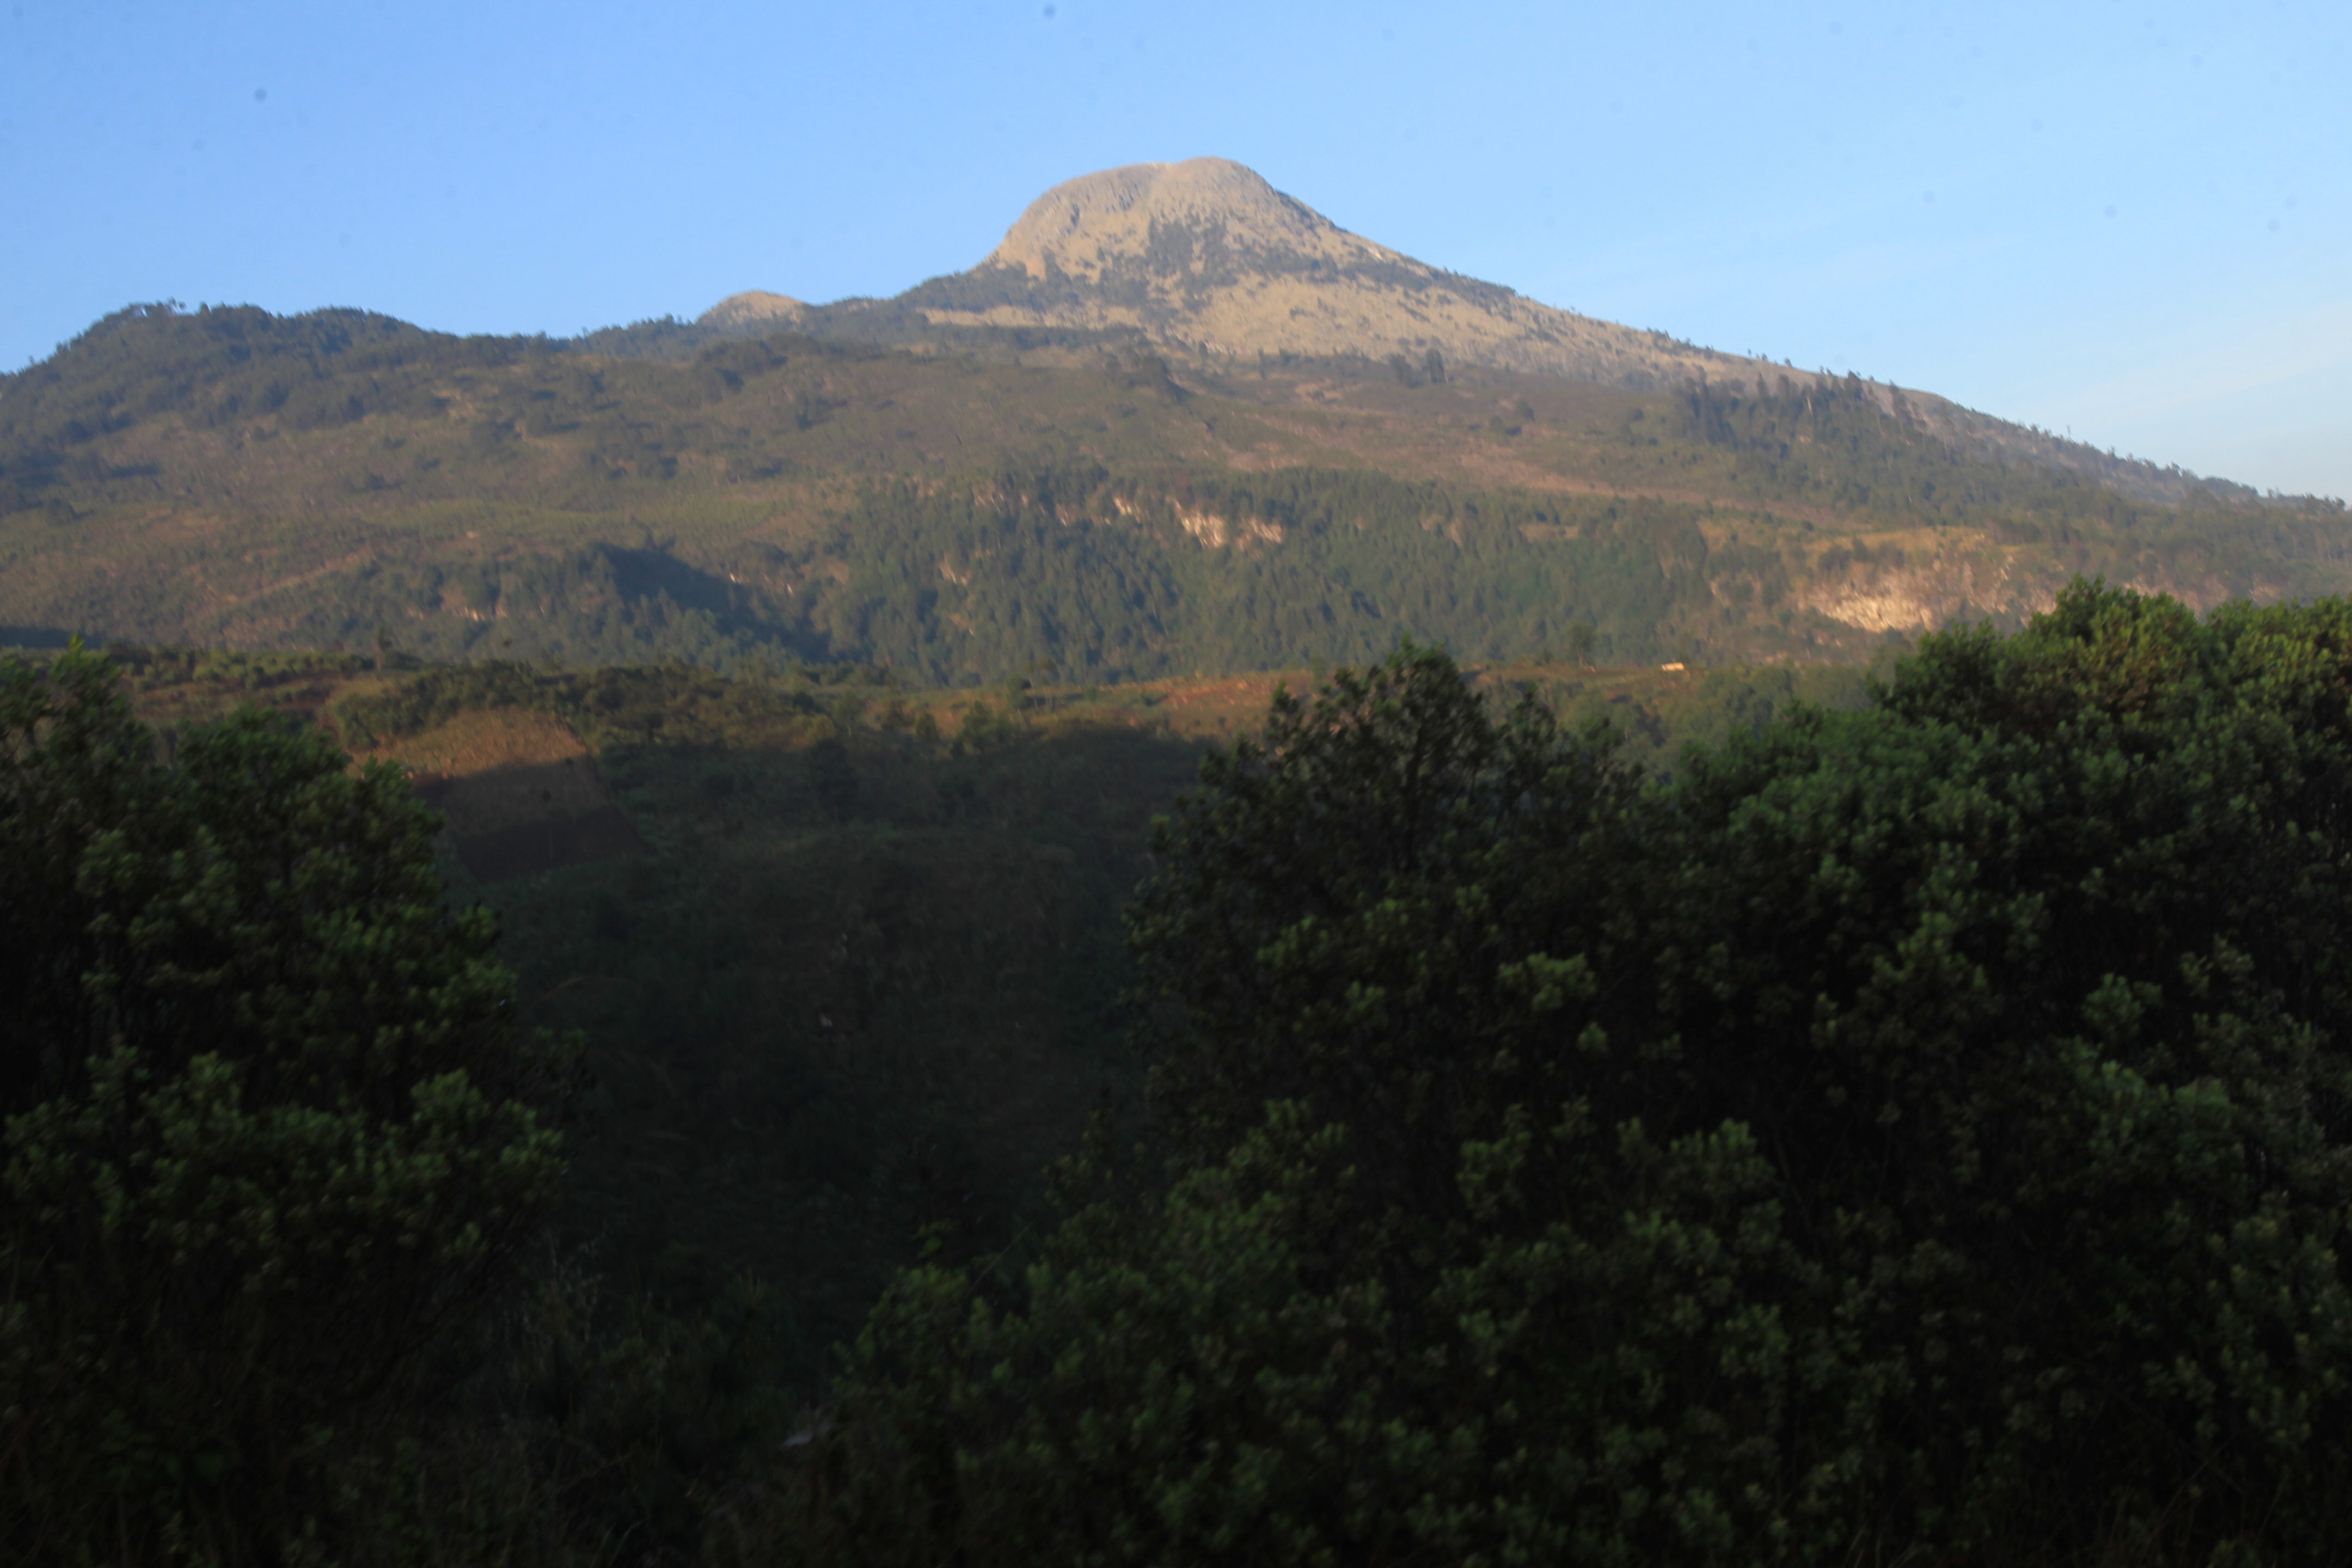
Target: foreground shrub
[
  {"x": 1923, "y": 1129},
  {"x": 270, "y": 1131}
]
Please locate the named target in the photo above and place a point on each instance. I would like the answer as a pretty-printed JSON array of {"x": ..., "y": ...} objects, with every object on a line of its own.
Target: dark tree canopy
[
  {"x": 270, "y": 1128},
  {"x": 1926, "y": 1128}
]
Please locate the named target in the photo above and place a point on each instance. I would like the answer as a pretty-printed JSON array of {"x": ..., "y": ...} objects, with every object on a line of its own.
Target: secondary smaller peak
[{"x": 754, "y": 308}]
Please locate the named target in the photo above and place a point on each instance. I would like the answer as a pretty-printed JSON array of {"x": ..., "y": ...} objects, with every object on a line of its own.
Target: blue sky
[{"x": 2130, "y": 221}]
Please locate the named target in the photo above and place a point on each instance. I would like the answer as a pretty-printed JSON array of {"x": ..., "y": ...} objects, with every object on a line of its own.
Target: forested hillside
[
  {"x": 1094, "y": 512},
  {"x": 1911, "y": 1134},
  {"x": 848, "y": 972},
  {"x": 1906, "y": 1122},
  {"x": 850, "y": 964}
]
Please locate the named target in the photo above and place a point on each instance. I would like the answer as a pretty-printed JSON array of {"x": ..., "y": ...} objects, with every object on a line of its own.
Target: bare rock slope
[{"x": 1206, "y": 256}]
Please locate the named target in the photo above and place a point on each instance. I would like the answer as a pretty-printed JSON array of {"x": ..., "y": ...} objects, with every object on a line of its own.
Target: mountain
[
  {"x": 1175, "y": 422},
  {"x": 1205, "y": 259},
  {"x": 1205, "y": 256},
  {"x": 1089, "y": 512}
]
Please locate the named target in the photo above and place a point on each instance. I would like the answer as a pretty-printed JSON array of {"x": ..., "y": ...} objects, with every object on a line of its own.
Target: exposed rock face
[
  {"x": 1098, "y": 226},
  {"x": 1206, "y": 254},
  {"x": 1975, "y": 580},
  {"x": 754, "y": 310}
]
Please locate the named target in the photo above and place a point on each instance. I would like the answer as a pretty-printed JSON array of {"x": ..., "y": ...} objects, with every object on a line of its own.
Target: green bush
[
  {"x": 1913, "y": 1130},
  {"x": 270, "y": 1130}
]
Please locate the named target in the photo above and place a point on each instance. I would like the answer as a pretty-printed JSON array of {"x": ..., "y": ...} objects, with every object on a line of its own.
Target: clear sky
[{"x": 2133, "y": 221}]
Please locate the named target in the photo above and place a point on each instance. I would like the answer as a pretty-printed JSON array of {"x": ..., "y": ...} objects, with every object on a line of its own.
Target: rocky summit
[
  {"x": 1208, "y": 256},
  {"x": 1204, "y": 256}
]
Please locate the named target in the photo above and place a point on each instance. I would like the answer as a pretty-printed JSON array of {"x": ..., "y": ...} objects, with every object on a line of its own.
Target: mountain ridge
[
  {"x": 1204, "y": 258},
  {"x": 1174, "y": 420},
  {"x": 226, "y": 476}
]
